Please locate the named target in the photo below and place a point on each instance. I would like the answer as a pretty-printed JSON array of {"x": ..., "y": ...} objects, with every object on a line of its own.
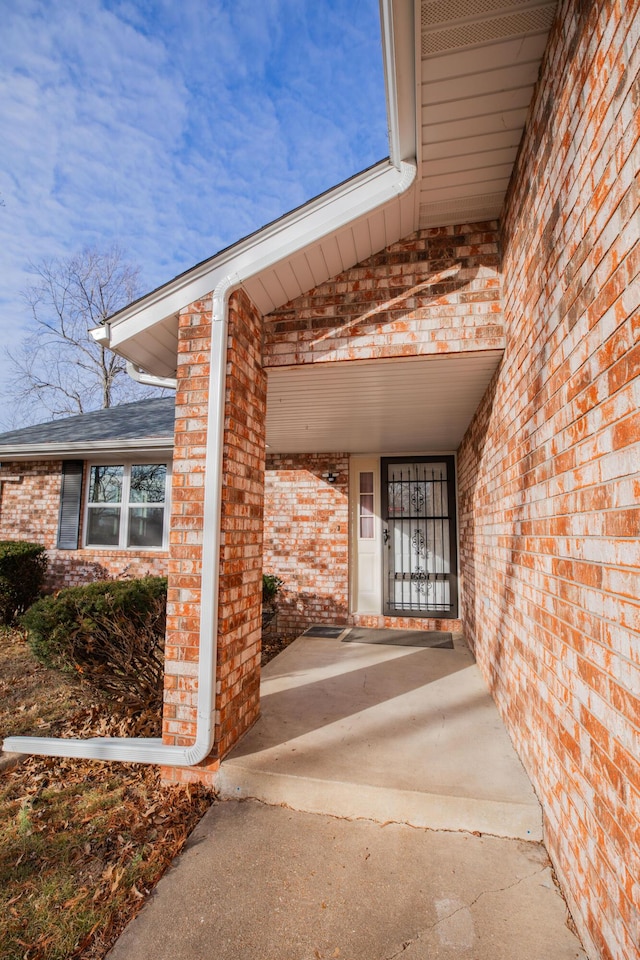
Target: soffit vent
[
  {"x": 533, "y": 20},
  {"x": 437, "y": 12}
]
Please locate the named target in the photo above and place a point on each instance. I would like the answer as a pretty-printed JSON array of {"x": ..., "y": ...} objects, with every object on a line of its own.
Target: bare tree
[{"x": 59, "y": 369}]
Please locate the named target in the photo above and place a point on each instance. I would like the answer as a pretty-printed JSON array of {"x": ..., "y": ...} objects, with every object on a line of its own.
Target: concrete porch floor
[{"x": 384, "y": 733}]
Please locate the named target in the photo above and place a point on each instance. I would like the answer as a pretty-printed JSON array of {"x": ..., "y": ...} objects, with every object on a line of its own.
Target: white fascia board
[
  {"x": 85, "y": 449},
  {"x": 277, "y": 242}
]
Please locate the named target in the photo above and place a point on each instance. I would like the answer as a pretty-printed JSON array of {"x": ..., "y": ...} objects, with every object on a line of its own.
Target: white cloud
[{"x": 174, "y": 129}]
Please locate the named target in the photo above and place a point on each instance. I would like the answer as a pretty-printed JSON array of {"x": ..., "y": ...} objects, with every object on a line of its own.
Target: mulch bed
[{"x": 273, "y": 644}]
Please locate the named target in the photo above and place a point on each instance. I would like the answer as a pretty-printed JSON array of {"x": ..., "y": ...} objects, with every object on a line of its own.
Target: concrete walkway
[
  {"x": 392, "y": 750},
  {"x": 266, "y": 883}
]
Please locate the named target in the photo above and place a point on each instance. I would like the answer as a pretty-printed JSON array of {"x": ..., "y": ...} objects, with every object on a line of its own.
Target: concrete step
[{"x": 383, "y": 733}]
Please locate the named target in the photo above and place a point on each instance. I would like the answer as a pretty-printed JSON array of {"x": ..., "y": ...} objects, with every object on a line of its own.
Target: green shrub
[
  {"x": 271, "y": 586},
  {"x": 112, "y": 633},
  {"x": 22, "y": 569}
]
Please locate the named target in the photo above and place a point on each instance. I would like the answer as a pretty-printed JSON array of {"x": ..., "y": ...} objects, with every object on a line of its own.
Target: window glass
[
  {"x": 106, "y": 484},
  {"x": 145, "y": 526},
  {"x": 148, "y": 482},
  {"x": 367, "y": 522},
  {"x": 366, "y": 482},
  {"x": 103, "y": 526}
]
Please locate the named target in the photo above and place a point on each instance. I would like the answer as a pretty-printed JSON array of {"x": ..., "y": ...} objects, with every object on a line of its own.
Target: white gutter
[
  {"x": 388, "y": 60},
  {"x": 147, "y": 750},
  {"x": 148, "y": 379},
  {"x": 308, "y": 227},
  {"x": 86, "y": 448}
]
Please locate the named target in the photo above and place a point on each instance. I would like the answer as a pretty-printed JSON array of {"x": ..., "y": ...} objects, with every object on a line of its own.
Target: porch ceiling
[{"x": 422, "y": 404}]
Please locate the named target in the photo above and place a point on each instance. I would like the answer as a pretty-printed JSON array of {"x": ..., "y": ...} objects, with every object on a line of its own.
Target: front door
[{"x": 419, "y": 537}]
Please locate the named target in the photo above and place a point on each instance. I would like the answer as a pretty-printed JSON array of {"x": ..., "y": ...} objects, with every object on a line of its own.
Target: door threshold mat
[
  {"x": 324, "y": 632},
  {"x": 401, "y": 638}
]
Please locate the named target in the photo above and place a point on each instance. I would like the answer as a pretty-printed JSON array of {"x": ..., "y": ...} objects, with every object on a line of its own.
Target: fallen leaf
[
  {"x": 74, "y": 900},
  {"x": 115, "y": 883}
]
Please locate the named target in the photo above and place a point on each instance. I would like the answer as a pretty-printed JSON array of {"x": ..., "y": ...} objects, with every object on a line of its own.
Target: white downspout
[
  {"x": 149, "y": 750},
  {"x": 245, "y": 265},
  {"x": 148, "y": 379}
]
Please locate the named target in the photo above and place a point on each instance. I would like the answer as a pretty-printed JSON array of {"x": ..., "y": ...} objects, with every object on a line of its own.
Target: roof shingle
[{"x": 130, "y": 421}]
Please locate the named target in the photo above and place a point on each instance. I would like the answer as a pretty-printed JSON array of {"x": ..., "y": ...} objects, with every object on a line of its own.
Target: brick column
[
  {"x": 240, "y": 598},
  {"x": 240, "y": 608}
]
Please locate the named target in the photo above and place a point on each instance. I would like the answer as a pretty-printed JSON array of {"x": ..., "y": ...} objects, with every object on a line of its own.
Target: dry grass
[
  {"x": 33, "y": 700},
  {"x": 81, "y": 846},
  {"x": 81, "y": 843},
  {"x": 273, "y": 644}
]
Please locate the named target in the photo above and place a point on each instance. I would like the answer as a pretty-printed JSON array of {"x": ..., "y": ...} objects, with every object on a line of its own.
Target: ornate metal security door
[{"x": 420, "y": 563}]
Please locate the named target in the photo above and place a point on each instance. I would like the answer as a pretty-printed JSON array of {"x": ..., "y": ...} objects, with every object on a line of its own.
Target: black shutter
[{"x": 70, "y": 501}]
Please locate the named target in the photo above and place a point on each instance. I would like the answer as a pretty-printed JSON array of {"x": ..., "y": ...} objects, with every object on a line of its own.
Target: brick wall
[
  {"x": 29, "y": 507},
  {"x": 549, "y": 472},
  {"x": 240, "y": 599},
  {"x": 404, "y": 623},
  {"x": 306, "y": 538},
  {"x": 438, "y": 291}
]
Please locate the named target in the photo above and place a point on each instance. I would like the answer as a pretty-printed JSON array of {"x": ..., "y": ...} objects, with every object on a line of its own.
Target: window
[
  {"x": 127, "y": 505},
  {"x": 367, "y": 521}
]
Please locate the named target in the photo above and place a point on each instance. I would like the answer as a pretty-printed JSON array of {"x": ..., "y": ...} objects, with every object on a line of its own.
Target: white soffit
[
  {"x": 297, "y": 274},
  {"x": 383, "y": 406},
  {"x": 148, "y": 333},
  {"x": 479, "y": 62}
]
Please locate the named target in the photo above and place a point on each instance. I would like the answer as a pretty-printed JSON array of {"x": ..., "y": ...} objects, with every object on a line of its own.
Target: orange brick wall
[
  {"x": 306, "y": 538},
  {"x": 438, "y": 291},
  {"x": 549, "y": 472},
  {"x": 29, "y": 507},
  {"x": 239, "y": 623}
]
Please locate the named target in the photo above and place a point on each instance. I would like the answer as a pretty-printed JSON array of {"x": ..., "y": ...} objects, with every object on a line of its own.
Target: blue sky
[{"x": 174, "y": 128}]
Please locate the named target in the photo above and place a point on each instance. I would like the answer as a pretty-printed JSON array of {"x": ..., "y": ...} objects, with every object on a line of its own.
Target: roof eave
[
  {"x": 84, "y": 449},
  {"x": 285, "y": 234}
]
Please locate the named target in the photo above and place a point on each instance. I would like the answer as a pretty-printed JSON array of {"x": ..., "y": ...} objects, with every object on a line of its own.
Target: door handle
[{"x": 386, "y": 535}]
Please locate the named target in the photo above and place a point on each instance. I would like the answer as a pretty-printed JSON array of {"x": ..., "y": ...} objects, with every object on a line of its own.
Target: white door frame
[{"x": 365, "y": 538}]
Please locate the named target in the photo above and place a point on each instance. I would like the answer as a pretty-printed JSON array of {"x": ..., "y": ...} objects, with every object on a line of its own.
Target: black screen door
[{"x": 420, "y": 561}]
